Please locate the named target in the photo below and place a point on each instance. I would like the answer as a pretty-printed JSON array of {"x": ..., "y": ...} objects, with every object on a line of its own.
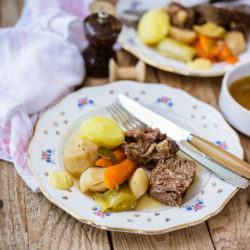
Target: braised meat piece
[
  {"x": 170, "y": 179},
  {"x": 144, "y": 133},
  {"x": 231, "y": 18},
  {"x": 146, "y": 146},
  {"x": 181, "y": 16}
]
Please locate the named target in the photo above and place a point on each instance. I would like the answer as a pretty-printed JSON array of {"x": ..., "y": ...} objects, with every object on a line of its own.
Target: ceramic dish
[
  {"x": 207, "y": 196},
  {"x": 236, "y": 114},
  {"x": 130, "y": 42}
]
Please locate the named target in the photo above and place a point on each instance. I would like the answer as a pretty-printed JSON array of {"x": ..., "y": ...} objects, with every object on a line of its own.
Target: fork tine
[
  {"x": 126, "y": 119},
  {"x": 119, "y": 116},
  {"x": 127, "y": 116}
]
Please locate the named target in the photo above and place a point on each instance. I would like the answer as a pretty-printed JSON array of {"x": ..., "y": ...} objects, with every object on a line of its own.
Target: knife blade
[{"x": 179, "y": 134}]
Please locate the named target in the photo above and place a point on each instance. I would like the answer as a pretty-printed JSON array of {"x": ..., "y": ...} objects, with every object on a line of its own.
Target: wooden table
[{"x": 30, "y": 221}]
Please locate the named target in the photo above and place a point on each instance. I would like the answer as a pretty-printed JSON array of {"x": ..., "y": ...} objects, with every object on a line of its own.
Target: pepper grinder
[{"x": 101, "y": 30}]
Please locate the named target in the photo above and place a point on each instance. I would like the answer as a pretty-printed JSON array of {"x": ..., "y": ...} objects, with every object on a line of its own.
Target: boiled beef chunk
[
  {"x": 170, "y": 179},
  {"x": 231, "y": 18},
  {"x": 146, "y": 146},
  {"x": 144, "y": 133}
]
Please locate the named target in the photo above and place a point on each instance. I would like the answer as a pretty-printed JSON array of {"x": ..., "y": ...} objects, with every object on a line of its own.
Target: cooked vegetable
[
  {"x": 214, "y": 50},
  {"x": 106, "y": 153},
  {"x": 153, "y": 26},
  {"x": 139, "y": 182},
  {"x": 210, "y": 30},
  {"x": 235, "y": 42},
  {"x": 182, "y": 35},
  {"x": 103, "y": 131},
  {"x": 207, "y": 48},
  {"x": 224, "y": 52},
  {"x": 119, "y": 155},
  {"x": 116, "y": 200},
  {"x": 200, "y": 63},
  {"x": 180, "y": 18},
  {"x": 117, "y": 174},
  {"x": 80, "y": 155},
  {"x": 60, "y": 180},
  {"x": 232, "y": 60},
  {"x": 180, "y": 51},
  {"x": 93, "y": 179}
]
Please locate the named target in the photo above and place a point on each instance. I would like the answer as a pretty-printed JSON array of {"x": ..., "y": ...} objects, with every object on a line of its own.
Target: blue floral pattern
[
  {"x": 221, "y": 144},
  {"x": 166, "y": 100},
  {"x": 84, "y": 101},
  {"x": 198, "y": 205},
  {"x": 134, "y": 5},
  {"x": 47, "y": 156},
  {"x": 99, "y": 213},
  {"x": 131, "y": 41}
]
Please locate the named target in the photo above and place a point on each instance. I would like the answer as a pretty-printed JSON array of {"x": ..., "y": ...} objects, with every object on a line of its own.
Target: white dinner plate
[
  {"x": 205, "y": 198},
  {"x": 130, "y": 42}
]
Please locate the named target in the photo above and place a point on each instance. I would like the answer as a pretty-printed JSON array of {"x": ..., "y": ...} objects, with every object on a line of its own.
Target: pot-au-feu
[
  {"x": 198, "y": 35},
  {"x": 124, "y": 170}
]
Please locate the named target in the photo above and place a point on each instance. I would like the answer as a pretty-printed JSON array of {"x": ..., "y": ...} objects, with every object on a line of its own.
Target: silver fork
[{"x": 127, "y": 121}]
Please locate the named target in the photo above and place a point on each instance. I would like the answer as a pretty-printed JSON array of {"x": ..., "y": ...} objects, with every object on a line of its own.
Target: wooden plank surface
[{"x": 30, "y": 221}]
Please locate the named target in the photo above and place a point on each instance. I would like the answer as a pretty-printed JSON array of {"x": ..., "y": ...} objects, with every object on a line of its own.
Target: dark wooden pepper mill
[{"x": 101, "y": 30}]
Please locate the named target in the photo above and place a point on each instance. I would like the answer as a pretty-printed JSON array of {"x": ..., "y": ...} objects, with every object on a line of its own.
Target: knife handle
[{"x": 221, "y": 156}]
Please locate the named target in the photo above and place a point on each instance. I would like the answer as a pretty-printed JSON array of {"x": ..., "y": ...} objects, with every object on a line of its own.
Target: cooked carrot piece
[
  {"x": 206, "y": 48},
  {"x": 206, "y": 43},
  {"x": 224, "y": 52},
  {"x": 232, "y": 60},
  {"x": 117, "y": 174},
  {"x": 104, "y": 162},
  {"x": 201, "y": 53}
]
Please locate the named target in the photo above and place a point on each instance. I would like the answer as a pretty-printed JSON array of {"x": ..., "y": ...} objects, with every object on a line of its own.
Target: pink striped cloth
[{"x": 40, "y": 63}]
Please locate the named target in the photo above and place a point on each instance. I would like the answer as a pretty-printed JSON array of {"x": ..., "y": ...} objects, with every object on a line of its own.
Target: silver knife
[{"x": 175, "y": 132}]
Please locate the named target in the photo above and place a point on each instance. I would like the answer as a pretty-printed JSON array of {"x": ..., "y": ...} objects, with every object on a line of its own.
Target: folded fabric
[{"x": 40, "y": 63}]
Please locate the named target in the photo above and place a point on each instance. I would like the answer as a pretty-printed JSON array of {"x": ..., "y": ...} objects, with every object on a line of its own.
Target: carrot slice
[
  {"x": 232, "y": 60},
  {"x": 117, "y": 174},
  {"x": 201, "y": 53},
  {"x": 206, "y": 48},
  {"x": 224, "y": 51},
  {"x": 104, "y": 162}
]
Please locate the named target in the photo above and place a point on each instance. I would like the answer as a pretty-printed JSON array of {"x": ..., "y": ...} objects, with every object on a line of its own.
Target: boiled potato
[
  {"x": 182, "y": 35},
  {"x": 153, "y": 26},
  {"x": 210, "y": 29},
  {"x": 80, "y": 155},
  {"x": 200, "y": 64},
  {"x": 139, "y": 182},
  {"x": 103, "y": 131},
  {"x": 235, "y": 42},
  {"x": 179, "y": 51},
  {"x": 93, "y": 179}
]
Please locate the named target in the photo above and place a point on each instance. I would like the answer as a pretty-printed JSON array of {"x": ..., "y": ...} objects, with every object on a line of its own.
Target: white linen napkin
[{"x": 40, "y": 63}]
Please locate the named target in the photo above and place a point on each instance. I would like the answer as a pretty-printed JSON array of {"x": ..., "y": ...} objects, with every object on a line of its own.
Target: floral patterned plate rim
[
  {"x": 130, "y": 42},
  {"x": 57, "y": 126}
]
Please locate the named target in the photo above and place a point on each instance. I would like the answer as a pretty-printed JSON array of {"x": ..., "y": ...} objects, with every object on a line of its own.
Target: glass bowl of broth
[{"x": 234, "y": 98}]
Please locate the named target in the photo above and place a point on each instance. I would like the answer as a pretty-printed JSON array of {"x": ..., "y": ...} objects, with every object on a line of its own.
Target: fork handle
[{"x": 222, "y": 156}]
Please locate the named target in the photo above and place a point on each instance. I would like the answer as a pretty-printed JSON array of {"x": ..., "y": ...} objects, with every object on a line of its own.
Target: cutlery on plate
[
  {"x": 127, "y": 121},
  {"x": 175, "y": 132}
]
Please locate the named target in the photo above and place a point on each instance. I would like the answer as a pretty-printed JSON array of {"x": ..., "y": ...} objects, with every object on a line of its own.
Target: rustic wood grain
[
  {"x": 30, "y": 221},
  {"x": 196, "y": 237}
]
